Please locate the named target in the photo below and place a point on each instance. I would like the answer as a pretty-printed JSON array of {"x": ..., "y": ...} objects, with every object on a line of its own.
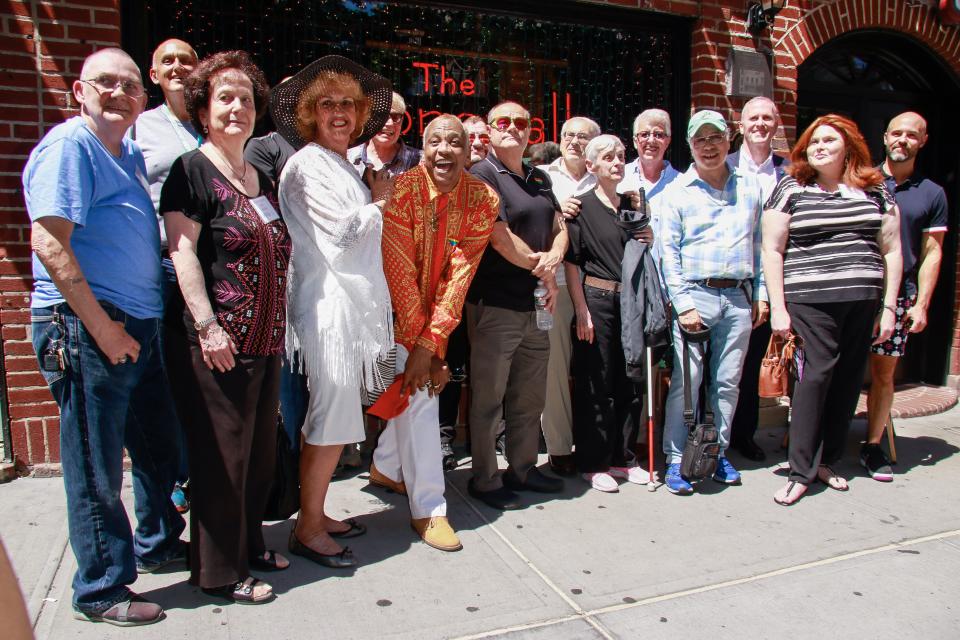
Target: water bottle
[{"x": 544, "y": 317}]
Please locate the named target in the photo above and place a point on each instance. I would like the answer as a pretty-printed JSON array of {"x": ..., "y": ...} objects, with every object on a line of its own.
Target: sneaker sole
[
  {"x": 679, "y": 492},
  {"x": 738, "y": 481},
  {"x": 92, "y": 617},
  {"x": 879, "y": 477}
]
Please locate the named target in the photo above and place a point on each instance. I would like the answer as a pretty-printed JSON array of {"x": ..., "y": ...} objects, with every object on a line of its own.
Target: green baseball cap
[{"x": 703, "y": 117}]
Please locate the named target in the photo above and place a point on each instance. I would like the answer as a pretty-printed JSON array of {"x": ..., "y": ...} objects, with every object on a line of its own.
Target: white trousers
[{"x": 409, "y": 451}]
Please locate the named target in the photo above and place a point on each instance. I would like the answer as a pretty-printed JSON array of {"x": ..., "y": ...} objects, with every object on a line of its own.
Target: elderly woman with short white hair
[{"x": 606, "y": 408}]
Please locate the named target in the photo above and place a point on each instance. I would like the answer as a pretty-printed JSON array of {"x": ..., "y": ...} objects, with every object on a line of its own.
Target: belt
[
  {"x": 600, "y": 283},
  {"x": 722, "y": 283}
]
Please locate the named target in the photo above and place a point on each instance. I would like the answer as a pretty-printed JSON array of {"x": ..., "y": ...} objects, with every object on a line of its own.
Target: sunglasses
[
  {"x": 503, "y": 123},
  {"x": 482, "y": 137}
]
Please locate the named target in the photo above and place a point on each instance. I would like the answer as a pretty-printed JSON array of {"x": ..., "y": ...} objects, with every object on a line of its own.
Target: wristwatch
[{"x": 200, "y": 325}]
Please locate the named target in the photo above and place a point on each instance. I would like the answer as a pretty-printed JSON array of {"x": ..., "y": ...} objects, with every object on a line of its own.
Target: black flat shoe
[
  {"x": 343, "y": 560},
  {"x": 501, "y": 499},
  {"x": 563, "y": 465},
  {"x": 356, "y": 529},
  {"x": 266, "y": 564},
  {"x": 535, "y": 481},
  {"x": 240, "y": 592},
  {"x": 750, "y": 450}
]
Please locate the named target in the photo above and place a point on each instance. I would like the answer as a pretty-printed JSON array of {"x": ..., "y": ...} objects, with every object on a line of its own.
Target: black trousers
[
  {"x": 745, "y": 418},
  {"x": 607, "y": 405},
  {"x": 836, "y": 342},
  {"x": 457, "y": 353}
]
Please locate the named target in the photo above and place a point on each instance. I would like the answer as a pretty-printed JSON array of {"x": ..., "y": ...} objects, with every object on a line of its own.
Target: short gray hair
[
  {"x": 593, "y": 126},
  {"x": 653, "y": 117},
  {"x": 601, "y": 144}
]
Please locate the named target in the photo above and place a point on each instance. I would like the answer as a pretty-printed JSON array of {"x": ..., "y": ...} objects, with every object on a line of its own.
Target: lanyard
[{"x": 188, "y": 143}]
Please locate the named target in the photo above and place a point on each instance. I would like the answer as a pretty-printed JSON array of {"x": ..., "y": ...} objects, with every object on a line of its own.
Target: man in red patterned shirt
[{"x": 435, "y": 228}]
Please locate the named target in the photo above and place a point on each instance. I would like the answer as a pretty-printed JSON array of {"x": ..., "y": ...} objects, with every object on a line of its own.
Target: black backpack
[{"x": 702, "y": 448}]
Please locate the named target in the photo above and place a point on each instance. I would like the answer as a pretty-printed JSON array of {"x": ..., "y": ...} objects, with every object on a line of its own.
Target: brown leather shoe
[
  {"x": 130, "y": 613},
  {"x": 437, "y": 533},
  {"x": 379, "y": 480}
]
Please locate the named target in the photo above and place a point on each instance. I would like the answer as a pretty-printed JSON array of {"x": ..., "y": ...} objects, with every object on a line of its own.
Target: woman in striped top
[{"x": 831, "y": 252}]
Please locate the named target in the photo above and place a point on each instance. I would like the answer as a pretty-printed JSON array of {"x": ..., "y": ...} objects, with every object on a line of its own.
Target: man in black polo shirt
[
  {"x": 509, "y": 354},
  {"x": 923, "y": 223}
]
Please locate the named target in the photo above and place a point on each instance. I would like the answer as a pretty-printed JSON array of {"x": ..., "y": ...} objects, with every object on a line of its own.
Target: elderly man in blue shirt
[{"x": 710, "y": 244}]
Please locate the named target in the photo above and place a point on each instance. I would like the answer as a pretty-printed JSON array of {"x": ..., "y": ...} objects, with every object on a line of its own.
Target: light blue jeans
[{"x": 727, "y": 313}]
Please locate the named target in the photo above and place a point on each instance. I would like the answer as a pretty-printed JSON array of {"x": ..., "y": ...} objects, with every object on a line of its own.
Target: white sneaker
[
  {"x": 636, "y": 475},
  {"x": 602, "y": 482}
]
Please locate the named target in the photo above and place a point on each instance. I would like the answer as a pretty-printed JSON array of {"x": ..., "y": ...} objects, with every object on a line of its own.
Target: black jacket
[{"x": 643, "y": 309}]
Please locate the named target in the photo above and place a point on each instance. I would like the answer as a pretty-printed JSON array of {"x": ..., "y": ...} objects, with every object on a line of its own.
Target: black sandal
[
  {"x": 241, "y": 592},
  {"x": 266, "y": 564},
  {"x": 356, "y": 529}
]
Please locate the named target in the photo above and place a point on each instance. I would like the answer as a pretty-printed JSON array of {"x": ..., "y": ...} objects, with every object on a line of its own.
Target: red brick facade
[{"x": 43, "y": 43}]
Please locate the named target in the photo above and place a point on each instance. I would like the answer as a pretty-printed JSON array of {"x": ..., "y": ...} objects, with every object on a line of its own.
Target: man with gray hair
[
  {"x": 710, "y": 244},
  {"x": 386, "y": 150},
  {"x": 759, "y": 121},
  {"x": 96, "y": 311},
  {"x": 569, "y": 178}
]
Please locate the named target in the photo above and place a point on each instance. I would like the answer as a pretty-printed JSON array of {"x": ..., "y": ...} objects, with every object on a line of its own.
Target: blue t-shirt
[{"x": 71, "y": 175}]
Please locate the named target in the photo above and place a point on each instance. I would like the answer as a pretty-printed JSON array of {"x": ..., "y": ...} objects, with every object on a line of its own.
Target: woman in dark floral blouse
[{"x": 230, "y": 250}]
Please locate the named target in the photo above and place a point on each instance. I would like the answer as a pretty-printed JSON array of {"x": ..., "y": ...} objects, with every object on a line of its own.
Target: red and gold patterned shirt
[{"x": 412, "y": 221}]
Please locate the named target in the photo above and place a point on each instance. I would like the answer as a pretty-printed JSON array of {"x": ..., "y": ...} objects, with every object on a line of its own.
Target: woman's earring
[{"x": 206, "y": 131}]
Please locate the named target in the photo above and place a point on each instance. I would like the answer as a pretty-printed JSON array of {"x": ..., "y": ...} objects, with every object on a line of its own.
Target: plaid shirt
[{"x": 710, "y": 233}]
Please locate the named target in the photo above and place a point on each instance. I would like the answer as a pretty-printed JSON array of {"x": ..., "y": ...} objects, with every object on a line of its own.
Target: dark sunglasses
[{"x": 503, "y": 123}]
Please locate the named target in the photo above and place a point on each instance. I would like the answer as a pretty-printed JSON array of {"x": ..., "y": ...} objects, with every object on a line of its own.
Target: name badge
[{"x": 264, "y": 209}]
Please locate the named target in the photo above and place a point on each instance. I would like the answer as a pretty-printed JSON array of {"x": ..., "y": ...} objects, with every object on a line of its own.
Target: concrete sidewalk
[{"x": 727, "y": 562}]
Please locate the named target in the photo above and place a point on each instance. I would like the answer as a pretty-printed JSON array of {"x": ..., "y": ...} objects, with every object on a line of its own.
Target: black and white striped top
[{"x": 832, "y": 251}]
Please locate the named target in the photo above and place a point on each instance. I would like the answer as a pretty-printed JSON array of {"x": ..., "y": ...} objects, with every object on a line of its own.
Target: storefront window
[{"x": 457, "y": 60}]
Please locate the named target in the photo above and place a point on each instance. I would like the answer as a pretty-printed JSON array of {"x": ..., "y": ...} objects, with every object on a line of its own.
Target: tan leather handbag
[{"x": 775, "y": 367}]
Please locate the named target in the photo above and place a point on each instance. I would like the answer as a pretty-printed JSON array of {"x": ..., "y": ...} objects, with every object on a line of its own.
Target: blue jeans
[
  {"x": 727, "y": 313},
  {"x": 293, "y": 399},
  {"x": 105, "y": 408}
]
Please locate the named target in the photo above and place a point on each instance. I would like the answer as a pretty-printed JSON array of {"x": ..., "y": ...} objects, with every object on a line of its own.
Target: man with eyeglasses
[
  {"x": 386, "y": 150},
  {"x": 569, "y": 178},
  {"x": 509, "y": 353},
  {"x": 164, "y": 133},
  {"x": 759, "y": 120},
  {"x": 710, "y": 262},
  {"x": 96, "y": 311}
]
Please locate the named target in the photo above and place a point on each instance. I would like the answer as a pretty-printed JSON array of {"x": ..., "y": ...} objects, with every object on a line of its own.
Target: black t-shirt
[
  {"x": 596, "y": 241},
  {"x": 529, "y": 208},
  {"x": 269, "y": 154},
  {"x": 243, "y": 259},
  {"x": 923, "y": 208}
]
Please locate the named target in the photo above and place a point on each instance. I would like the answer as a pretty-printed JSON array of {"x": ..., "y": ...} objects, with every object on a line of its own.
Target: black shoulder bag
[{"x": 702, "y": 448}]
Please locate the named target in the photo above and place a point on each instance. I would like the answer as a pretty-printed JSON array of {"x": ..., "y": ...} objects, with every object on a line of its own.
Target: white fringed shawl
[{"x": 338, "y": 303}]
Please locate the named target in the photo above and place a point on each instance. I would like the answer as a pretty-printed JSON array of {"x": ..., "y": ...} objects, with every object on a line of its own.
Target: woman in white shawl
[{"x": 339, "y": 315}]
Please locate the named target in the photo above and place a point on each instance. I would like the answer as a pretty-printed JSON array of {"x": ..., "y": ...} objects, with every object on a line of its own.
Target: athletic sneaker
[
  {"x": 875, "y": 461},
  {"x": 179, "y": 499},
  {"x": 725, "y": 472},
  {"x": 675, "y": 482}
]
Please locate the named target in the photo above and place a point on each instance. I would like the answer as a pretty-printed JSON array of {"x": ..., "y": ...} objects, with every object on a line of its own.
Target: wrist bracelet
[
  {"x": 200, "y": 325},
  {"x": 890, "y": 308}
]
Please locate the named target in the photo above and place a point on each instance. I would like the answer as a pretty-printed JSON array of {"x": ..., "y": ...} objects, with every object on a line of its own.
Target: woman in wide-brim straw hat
[{"x": 339, "y": 315}]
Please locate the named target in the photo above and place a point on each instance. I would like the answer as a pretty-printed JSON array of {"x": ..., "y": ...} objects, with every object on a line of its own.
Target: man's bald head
[
  {"x": 909, "y": 118},
  {"x": 447, "y": 121},
  {"x": 169, "y": 44},
  {"x": 102, "y": 60}
]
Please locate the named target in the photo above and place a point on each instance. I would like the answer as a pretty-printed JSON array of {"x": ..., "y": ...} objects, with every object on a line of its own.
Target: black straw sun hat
[{"x": 284, "y": 97}]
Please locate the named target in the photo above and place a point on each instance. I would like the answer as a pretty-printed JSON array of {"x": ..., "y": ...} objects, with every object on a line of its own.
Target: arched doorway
[{"x": 872, "y": 75}]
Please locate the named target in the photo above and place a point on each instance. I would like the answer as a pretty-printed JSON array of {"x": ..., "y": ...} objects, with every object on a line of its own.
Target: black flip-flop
[
  {"x": 269, "y": 563},
  {"x": 356, "y": 529},
  {"x": 790, "y": 486},
  {"x": 240, "y": 592}
]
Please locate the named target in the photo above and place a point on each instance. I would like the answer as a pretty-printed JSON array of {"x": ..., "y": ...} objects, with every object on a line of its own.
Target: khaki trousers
[{"x": 557, "y": 413}]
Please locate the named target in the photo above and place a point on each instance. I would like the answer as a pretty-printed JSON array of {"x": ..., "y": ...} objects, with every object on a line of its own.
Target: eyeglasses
[
  {"x": 503, "y": 123},
  {"x": 109, "y": 84},
  {"x": 580, "y": 137},
  {"x": 712, "y": 139},
  {"x": 659, "y": 136},
  {"x": 395, "y": 116},
  {"x": 344, "y": 104},
  {"x": 482, "y": 137}
]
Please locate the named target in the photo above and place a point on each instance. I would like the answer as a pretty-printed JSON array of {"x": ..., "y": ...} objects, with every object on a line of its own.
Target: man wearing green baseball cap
[{"x": 710, "y": 261}]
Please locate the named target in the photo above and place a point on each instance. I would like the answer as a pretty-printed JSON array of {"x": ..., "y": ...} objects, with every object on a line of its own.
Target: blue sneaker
[
  {"x": 179, "y": 499},
  {"x": 676, "y": 482},
  {"x": 725, "y": 472}
]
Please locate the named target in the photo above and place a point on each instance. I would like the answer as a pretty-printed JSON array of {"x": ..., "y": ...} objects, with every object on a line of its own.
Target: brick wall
[
  {"x": 42, "y": 46},
  {"x": 43, "y": 43}
]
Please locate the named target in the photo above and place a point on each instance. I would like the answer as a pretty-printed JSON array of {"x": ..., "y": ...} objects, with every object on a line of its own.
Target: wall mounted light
[{"x": 760, "y": 15}]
